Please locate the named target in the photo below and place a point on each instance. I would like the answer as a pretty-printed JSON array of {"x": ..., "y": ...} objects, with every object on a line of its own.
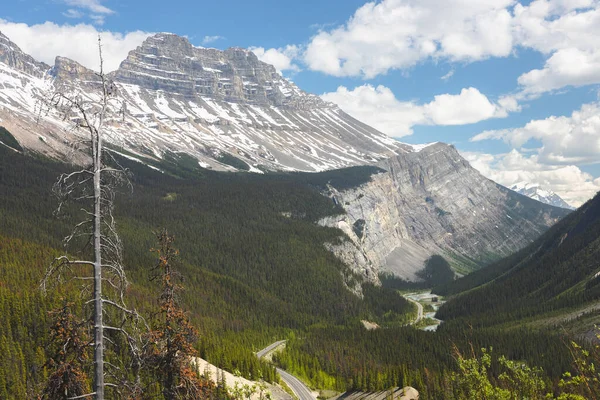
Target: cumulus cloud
[
  {"x": 565, "y": 140},
  {"x": 394, "y": 34},
  {"x": 566, "y": 67},
  {"x": 46, "y": 41},
  {"x": 379, "y": 107},
  {"x": 468, "y": 107},
  {"x": 282, "y": 58},
  {"x": 568, "y": 181},
  {"x": 569, "y": 32},
  {"x": 399, "y": 34}
]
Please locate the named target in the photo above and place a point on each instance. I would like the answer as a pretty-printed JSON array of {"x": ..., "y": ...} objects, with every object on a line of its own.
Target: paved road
[
  {"x": 419, "y": 309},
  {"x": 269, "y": 348},
  {"x": 300, "y": 389}
]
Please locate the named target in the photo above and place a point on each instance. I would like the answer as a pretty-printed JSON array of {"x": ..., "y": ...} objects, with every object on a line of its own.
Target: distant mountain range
[
  {"x": 226, "y": 110},
  {"x": 536, "y": 192}
]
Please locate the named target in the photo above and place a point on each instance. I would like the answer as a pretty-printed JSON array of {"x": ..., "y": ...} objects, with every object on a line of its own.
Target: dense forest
[
  {"x": 255, "y": 270},
  {"x": 252, "y": 259},
  {"x": 352, "y": 358}
]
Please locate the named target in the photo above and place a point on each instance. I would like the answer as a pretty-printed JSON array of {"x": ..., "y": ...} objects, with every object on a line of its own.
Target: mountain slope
[
  {"x": 169, "y": 96},
  {"x": 226, "y": 110},
  {"x": 555, "y": 273},
  {"x": 430, "y": 202},
  {"x": 536, "y": 192}
]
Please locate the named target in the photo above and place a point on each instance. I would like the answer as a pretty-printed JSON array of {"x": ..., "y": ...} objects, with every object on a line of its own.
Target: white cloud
[
  {"x": 449, "y": 75},
  {"x": 566, "y": 67},
  {"x": 98, "y": 19},
  {"x": 399, "y": 34},
  {"x": 468, "y": 107},
  {"x": 394, "y": 34},
  {"x": 211, "y": 39},
  {"x": 568, "y": 181},
  {"x": 46, "y": 41},
  {"x": 94, "y": 6},
  {"x": 281, "y": 59},
  {"x": 569, "y": 32},
  {"x": 378, "y": 107},
  {"x": 565, "y": 140}
]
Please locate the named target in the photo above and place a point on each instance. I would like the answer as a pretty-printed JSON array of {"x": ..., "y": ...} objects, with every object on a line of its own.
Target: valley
[{"x": 368, "y": 264}]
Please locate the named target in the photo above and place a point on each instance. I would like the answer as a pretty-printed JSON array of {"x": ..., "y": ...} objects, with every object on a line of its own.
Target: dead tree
[
  {"x": 69, "y": 335},
  {"x": 170, "y": 351},
  {"x": 94, "y": 187}
]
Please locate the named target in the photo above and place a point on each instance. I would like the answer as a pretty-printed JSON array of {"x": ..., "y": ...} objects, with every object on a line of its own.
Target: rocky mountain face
[
  {"x": 433, "y": 202},
  {"x": 169, "y": 96},
  {"x": 12, "y": 56},
  {"x": 228, "y": 110},
  {"x": 538, "y": 193}
]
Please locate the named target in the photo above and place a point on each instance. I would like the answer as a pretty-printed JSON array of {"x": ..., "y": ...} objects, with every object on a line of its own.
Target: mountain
[
  {"x": 220, "y": 107},
  {"x": 556, "y": 279},
  {"x": 536, "y": 192},
  {"x": 431, "y": 201},
  {"x": 227, "y": 110}
]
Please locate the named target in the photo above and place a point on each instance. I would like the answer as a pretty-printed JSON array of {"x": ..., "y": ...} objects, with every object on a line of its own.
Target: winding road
[
  {"x": 419, "y": 308},
  {"x": 300, "y": 389}
]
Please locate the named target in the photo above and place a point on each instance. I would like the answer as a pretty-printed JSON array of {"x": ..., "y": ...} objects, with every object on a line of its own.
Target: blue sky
[{"x": 513, "y": 84}]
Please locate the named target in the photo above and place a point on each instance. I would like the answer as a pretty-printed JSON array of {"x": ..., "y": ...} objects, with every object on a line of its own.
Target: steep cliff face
[{"x": 433, "y": 202}]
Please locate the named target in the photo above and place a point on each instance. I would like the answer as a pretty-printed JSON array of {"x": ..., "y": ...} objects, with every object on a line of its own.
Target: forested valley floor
[{"x": 255, "y": 271}]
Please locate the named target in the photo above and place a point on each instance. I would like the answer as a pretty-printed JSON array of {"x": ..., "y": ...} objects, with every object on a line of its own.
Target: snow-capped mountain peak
[
  {"x": 172, "y": 97},
  {"x": 536, "y": 192}
]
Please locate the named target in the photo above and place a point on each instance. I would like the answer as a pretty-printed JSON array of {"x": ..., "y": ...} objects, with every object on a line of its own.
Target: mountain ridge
[
  {"x": 170, "y": 96},
  {"x": 432, "y": 202},
  {"x": 556, "y": 274}
]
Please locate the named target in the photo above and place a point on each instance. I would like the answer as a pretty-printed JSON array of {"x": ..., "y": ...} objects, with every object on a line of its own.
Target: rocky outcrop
[
  {"x": 406, "y": 393},
  {"x": 433, "y": 202},
  {"x": 67, "y": 71},
  {"x": 14, "y": 57}
]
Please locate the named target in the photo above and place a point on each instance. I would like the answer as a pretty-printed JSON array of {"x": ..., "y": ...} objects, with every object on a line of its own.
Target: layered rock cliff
[
  {"x": 433, "y": 202},
  {"x": 169, "y": 96}
]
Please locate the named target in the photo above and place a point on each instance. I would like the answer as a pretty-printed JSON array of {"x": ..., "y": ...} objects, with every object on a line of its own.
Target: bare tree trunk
[
  {"x": 98, "y": 323},
  {"x": 98, "y": 301}
]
